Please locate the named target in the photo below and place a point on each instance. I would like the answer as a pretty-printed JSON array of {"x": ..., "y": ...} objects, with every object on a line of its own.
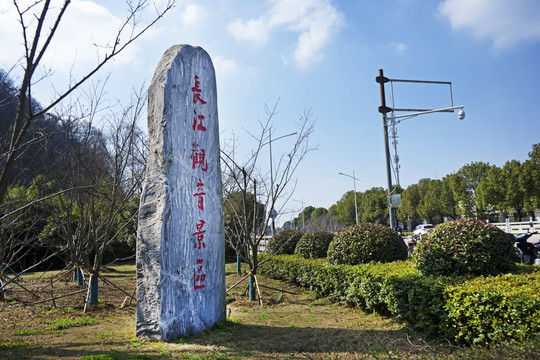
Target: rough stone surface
[{"x": 180, "y": 243}]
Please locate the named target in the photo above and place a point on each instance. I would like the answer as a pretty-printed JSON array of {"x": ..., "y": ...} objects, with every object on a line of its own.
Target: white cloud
[
  {"x": 225, "y": 66},
  {"x": 86, "y": 32},
  {"x": 505, "y": 23},
  {"x": 398, "y": 48},
  {"x": 192, "y": 15},
  {"x": 315, "y": 22},
  {"x": 254, "y": 31},
  {"x": 230, "y": 67},
  {"x": 78, "y": 33}
]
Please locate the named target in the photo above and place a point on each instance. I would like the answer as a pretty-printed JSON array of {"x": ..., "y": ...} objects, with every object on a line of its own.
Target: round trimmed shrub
[
  {"x": 364, "y": 243},
  {"x": 464, "y": 246},
  {"x": 314, "y": 245},
  {"x": 284, "y": 242}
]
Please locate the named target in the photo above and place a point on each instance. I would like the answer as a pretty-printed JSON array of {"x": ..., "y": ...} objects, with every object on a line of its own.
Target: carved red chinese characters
[{"x": 198, "y": 163}]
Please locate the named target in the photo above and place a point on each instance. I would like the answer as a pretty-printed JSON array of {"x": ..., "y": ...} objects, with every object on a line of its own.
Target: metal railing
[
  {"x": 518, "y": 227},
  {"x": 263, "y": 244}
]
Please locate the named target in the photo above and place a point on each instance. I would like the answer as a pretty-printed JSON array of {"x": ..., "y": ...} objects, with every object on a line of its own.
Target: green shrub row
[
  {"x": 465, "y": 309},
  {"x": 462, "y": 247},
  {"x": 314, "y": 245},
  {"x": 495, "y": 309},
  {"x": 364, "y": 243},
  {"x": 284, "y": 242}
]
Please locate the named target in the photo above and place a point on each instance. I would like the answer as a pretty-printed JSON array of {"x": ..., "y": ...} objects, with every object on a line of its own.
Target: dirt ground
[{"x": 291, "y": 324}]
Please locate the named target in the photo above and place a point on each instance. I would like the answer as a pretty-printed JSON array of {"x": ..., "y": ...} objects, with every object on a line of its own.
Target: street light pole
[
  {"x": 273, "y": 213},
  {"x": 354, "y": 187},
  {"x": 383, "y": 109}
]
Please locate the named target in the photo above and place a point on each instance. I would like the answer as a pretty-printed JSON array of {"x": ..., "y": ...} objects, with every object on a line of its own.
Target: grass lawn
[{"x": 292, "y": 324}]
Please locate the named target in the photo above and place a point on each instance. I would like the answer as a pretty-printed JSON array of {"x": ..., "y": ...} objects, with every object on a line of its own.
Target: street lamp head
[{"x": 461, "y": 114}]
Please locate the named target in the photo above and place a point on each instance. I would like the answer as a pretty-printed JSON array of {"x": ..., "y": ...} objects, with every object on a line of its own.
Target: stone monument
[{"x": 180, "y": 240}]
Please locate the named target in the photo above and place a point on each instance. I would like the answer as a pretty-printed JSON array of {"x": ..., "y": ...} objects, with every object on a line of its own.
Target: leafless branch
[
  {"x": 36, "y": 47},
  {"x": 243, "y": 182}
]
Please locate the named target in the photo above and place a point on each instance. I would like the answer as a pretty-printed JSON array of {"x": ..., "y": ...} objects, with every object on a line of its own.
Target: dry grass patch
[{"x": 291, "y": 324}]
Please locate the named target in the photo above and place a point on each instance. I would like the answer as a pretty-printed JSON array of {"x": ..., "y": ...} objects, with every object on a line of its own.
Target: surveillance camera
[{"x": 461, "y": 114}]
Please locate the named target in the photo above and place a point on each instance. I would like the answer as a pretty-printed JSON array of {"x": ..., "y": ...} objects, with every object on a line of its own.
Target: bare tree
[
  {"x": 36, "y": 40},
  {"x": 250, "y": 194},
  {"x": 105, "y": 171}
]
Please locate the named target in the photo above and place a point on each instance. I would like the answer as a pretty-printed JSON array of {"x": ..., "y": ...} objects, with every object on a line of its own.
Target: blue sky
[{"x": 323, "y": 56}]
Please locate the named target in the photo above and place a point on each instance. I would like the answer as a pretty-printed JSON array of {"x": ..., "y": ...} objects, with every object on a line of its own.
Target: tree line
[
  {"x": 478, "y": 190},
  {"x": 71, "y": 167},
  {"x": 73, "y": 193}
]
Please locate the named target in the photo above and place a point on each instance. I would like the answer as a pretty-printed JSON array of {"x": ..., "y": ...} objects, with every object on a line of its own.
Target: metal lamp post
[
  {"x": 383, "y": 109},
  {"x": 354, "y": 186}
]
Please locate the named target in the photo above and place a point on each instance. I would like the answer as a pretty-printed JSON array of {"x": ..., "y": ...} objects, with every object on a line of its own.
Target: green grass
[
  {"x": 66, "y": 323},
  {"x": 29, "y": 332},
  {"x": 101, "y": 357},
  {"x": 152, "y": 357},
  {"x": 136, "y": 343},
  {"x": 9, "y": 345},
  {"x": 118, "y": 357},
  {"x": 105, "y": 335},
  {"x": 50, "y": 312},
  {"x": 263, "y": 317},
  {"x": 207, "y": 357}
]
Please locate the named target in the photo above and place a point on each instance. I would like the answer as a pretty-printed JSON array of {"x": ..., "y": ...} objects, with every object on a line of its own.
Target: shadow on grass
[
  {"x": 290, "y": 340},
  {"x": 232, "y": 340},
  {"x": 323, "y": 343},
  {"x": 63, "y": 350},
  {"x": 237, "y": 341}
]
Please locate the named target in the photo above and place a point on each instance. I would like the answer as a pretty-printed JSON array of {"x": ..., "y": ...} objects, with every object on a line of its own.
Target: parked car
[{"x": 421, "y": 230}]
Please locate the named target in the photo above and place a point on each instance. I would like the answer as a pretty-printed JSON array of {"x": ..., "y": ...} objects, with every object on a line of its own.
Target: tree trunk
[
  {"x": 94, "y": 289},
  {"x": 79, "y": 274},
  {"x": 255, "y": 262},
  {"x": 251, "y": 288}
]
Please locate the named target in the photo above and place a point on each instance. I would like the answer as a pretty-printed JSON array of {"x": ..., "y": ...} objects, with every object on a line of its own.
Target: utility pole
[{"x": 383, "y": 109}]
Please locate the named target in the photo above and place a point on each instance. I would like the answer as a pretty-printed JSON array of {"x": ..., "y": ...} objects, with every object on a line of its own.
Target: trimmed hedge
[
  {"x": 464, "y": 246},
  {"x": 495, "y": 309},
  {"x": 365, "y": 242},
  {"x": 314, "y": 245},
  {"x": 464, "y": 309},
  {"x": 284, "y": 242}
]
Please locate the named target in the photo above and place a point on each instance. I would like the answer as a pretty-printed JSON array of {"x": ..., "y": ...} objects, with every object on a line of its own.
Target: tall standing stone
[{"x": 180, "y": 241}]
